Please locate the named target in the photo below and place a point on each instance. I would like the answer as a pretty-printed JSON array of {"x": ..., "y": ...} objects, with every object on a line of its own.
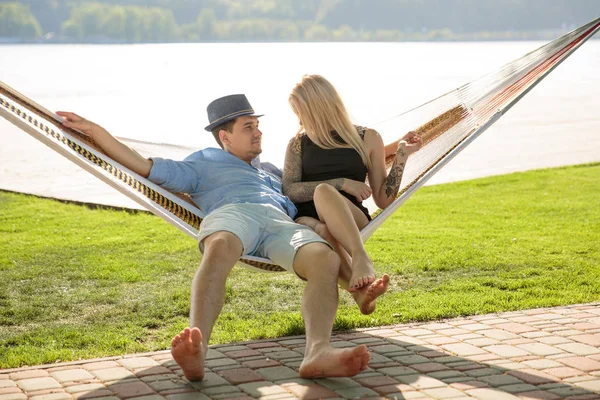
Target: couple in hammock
[{"x": 249, "y": 213}]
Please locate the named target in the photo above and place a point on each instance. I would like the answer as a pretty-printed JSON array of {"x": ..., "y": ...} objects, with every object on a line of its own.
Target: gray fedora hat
[{"x": 227, "y": 108}]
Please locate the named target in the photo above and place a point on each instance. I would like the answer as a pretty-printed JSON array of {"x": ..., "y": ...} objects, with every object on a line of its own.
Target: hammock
[{"x": 446, "y": 125}]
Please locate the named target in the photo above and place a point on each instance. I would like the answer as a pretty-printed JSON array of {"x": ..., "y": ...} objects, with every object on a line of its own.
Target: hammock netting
[{"x": 446, "y": 125}]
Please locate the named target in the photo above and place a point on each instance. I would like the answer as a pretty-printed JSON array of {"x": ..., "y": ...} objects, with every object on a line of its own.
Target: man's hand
[
  {"x": 81, "y": 124},
  {"x": 360, "y": 190},
  {"x": 409, "y": 144}
]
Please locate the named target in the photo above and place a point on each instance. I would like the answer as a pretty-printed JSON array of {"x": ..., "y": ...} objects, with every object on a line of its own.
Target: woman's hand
[
  {"x": 409, "y": 144},
  {"x": 360, "y": 190}
]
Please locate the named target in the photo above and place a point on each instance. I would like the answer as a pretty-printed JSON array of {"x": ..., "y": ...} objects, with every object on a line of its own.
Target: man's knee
[
  {"x": 317, "y": 260},
  {"x": 223, "y": 245}
]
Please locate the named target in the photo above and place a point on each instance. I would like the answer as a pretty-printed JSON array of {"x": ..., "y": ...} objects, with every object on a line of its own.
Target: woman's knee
[{"x": 324, "y": 190}]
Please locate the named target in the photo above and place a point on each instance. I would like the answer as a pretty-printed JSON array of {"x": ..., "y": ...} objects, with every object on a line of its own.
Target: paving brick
[
  {"x": 96, "y": 394},
  {"x": 479, "y": 372},
  {"x": 241, "y": 375},
  {"x": 582, "y": 363},
  {"x": 33, "y": 384},
  {"x": 482, "y": 342},
  {"x": 282, "y": 355},
  {"x": 593, "y": 386},
  {"x": 51, "y": 396},
  {"x": 463, "y": 349},
  {"x": 404, "y": 340},
  {"x": 517, "y": 388},
  {"x": 220, "y": 362},
  {"x": 579, "y": 348},
  {"x": 537, "y": 395},
  {"x": 375, "y": 381},
  {"x": 36, "y": 373},
  {"x": 500, "y": 380},
  {"x": 279, "y": 373},
  {"x": 262, "y": 363},
  {"x": 515, "y": 327},
  {"x": 506, "y": 350},
  {"x": 542, "y": 363},
  {"x": 453, "y": 332},
  {"x": 112, "y": 374},
  {"x": 100, "y": 365},
  {"x": 540, "y": 349},
  {"x": 310, "y": 392},
  {"x": 439, "y": 340},
  {"x": 262, "y": 345},
  {"x": 133, "y": 389},
  {"x": 138, "y": 362},
  {"x": 443, "y": 393},
  {"x": 10, "y": 390},
  {"x": 337, "y": 383},
  {"x": 397, "y": 388},
  {"x": 210, "y": 380},
  {"x": 144, "y": 372},
  {"x": 70, "y": 375},
  {"x": 532, "y": 376},
  {"x": 420, "y": 381},
  {"x": 13, "y": 396},
  {"x": 428, "y": 367},
  {"x": 187, "y": 396},
  {"x": 390, "y": 348},
  {"x": 168, "y": 385},
  {"x": 490, "y": 394},
  {"x": 262, "y": 389},
  {"x": 410, "y": 360},
  {"x": 396, "y": 371},
  {"x": 567, "y": 390},
  {"x": 563, "y": 372},
  {"x": 552, "y": 340},
  {"x": 243, "y": 353},
  {"x": 592, "y": 340},
  {"x": 7, "y": 383},
  {"x": 356, "y": 392}
]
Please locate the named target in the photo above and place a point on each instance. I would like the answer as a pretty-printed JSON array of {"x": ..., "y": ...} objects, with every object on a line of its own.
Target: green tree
[
  {"x": 207, "y": 20},
  {"x": 16, "y": 20}
]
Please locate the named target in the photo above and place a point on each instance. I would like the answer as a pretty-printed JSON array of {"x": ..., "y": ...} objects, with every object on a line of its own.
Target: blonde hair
[{"x": 321, "y": 110}]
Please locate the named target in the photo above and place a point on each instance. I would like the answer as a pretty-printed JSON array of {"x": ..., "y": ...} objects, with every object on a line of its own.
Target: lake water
[{"x": 159, "y": 93}]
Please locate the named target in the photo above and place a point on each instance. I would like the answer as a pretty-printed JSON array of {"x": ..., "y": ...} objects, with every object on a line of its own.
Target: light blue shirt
[{"x": 215, "y": 178}]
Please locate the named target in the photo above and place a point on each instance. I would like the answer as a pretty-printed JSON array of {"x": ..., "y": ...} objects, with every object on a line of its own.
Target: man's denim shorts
[{"x": 265, "y": 231}]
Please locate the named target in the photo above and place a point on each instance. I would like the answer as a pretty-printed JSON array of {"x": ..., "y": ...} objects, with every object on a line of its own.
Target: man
[{"x": 247, "y": 214}]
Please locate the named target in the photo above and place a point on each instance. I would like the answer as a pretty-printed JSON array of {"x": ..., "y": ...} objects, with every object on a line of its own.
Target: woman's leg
[
  {"x": 335, "y": 211},
  {"x": 364, "y": 297}
]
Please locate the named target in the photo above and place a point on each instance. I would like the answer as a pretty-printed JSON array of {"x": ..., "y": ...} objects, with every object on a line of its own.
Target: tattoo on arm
[
  {"x": 392, "y": 183},
  {"x": 293, "y": 187}
]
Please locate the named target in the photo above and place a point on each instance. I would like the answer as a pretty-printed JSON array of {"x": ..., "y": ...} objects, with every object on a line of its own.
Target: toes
[
  {"x": 196, "y": 336},
  {"x": 175, "y": 341}
]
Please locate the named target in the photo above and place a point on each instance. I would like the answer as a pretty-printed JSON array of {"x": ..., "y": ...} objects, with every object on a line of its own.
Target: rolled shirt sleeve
[{"x": 176, "y": 176}]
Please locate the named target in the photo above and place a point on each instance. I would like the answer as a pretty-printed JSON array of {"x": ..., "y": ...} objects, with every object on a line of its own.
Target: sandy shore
[{"x": 28, "y": 166}]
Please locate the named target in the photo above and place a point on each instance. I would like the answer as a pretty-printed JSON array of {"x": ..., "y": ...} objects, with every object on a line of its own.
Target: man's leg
[
  {"x": 221, "y": 252},
  {"x": 319, "y": 265},
  {"x": 336, "y": 212}
]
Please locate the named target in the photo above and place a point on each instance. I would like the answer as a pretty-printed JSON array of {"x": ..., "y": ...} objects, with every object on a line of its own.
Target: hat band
[{"x": 235, "y": 114}]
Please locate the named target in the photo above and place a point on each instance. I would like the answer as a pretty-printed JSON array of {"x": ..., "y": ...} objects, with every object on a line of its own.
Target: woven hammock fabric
[{"x": 446, "y": 125}]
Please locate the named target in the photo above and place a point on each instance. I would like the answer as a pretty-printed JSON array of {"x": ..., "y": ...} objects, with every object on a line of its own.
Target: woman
[{"x": 326, "y": 166}]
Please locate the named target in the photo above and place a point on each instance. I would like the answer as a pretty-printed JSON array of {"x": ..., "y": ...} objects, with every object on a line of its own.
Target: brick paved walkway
[{"x": 551, "y": 353}]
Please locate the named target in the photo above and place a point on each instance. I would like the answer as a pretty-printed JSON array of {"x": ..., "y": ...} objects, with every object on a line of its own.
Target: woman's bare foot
[
  {"x": 332, "y": 362},
  {"x": 366, "y": 297},
  {"x": 186, "y": 349},
  {"x": 363, "y": 273}
]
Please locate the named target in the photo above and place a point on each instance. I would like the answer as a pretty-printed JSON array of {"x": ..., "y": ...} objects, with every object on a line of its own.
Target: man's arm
[{"x": 111, "y": 146}]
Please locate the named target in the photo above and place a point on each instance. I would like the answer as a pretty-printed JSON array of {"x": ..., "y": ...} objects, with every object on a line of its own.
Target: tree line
[{"x": 135, "y": 21}]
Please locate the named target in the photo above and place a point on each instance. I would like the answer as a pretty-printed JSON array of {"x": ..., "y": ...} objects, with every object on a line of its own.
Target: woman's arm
[
  {"x": 385, "y": 186},
  {"x": 299, "y": 191}
]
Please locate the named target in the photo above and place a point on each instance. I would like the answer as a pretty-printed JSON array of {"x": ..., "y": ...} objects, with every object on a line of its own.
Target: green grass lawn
[{"x": 79, "y": 283}]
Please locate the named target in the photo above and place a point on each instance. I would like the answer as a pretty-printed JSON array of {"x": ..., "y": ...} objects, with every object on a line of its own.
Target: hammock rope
[{"x": 446, "y": 125}]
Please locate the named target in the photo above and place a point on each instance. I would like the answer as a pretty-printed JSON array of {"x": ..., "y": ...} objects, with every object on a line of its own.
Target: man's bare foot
[
  {"x": 363, "y": 273},
  {"x": 186, "y": 349},
  {"x": 331, "y": 362},
  {"x": 366, "y": 297}
]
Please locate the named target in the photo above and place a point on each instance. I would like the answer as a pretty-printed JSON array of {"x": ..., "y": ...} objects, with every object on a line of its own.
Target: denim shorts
[{"x": 264, "y": 230}]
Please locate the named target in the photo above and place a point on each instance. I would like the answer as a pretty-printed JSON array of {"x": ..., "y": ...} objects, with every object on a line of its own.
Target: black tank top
[{"x": 324, "y": 164}]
